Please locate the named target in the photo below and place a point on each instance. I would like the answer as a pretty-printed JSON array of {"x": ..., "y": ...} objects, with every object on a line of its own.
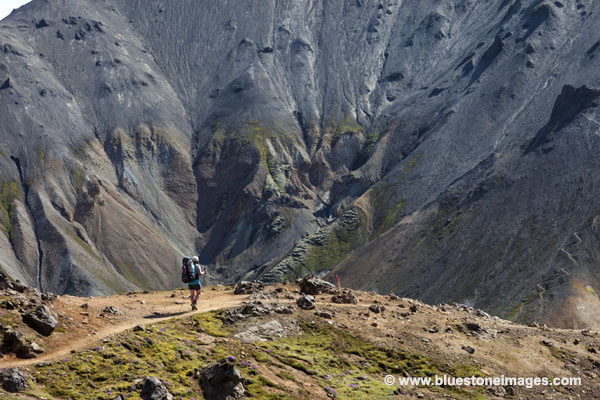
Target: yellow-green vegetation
[
  {"x": 380, "y": 197},
  {"x": 41, "y": 154},
  {"x": 77, "y": 177},
  {"x": 386, "y": 216},
  {"x": 340, "y": 242},
  {"x": 514, "y": 313},
  {"x": 10, "y": 191},
  {"x": 591, "y": 290},
  {"x": 338, "y": 129},
  {"x": 333, "y": 245},
  {"x": 372, "y": 139},
  {"x": 342, "y": 364},
  {"x": 212, "y": 324},
  {"x": 234, "y": 141}
]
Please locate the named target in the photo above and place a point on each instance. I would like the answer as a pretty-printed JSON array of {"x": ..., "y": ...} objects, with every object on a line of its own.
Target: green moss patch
[{"x": 10, "y": 191}]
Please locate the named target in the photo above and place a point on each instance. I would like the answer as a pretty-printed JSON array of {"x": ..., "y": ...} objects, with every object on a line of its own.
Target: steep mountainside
[{"x": 442, "y": 149}]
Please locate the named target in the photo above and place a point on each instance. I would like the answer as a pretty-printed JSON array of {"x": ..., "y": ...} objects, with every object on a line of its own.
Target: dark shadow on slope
[
  {"x": 487, "y": 59},
  {"x": 569, "y": 103}
]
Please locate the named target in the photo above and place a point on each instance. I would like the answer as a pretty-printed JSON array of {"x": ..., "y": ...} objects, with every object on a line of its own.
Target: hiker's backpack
[{"x": 187, "y": 270}]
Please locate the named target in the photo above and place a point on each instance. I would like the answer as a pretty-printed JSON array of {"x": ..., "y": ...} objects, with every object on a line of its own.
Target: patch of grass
[
  {"x": 336, "y": 358},
  {"x": 212, "y": 324},
  {"x": 77, "y": 178},
  {"x": 340, "y": 241},
  {"x": 10, "y": 191},
  {"x": 168, "y": 350},
  {"x": 348, "y": 126},
  {"x": 283, "y": 374},
  {"x": 591, "y": 290},
  {"x": 385, "y": 211}
]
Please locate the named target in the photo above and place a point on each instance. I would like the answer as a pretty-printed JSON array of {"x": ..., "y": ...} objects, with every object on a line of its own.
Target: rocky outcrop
[
  {"x": 306, "y": 302},
  {"x": 344, "y": 296},
  {"x": 42, "y": 320},
  {"x": 13, "y": 380},
  {"x": 248, "y": 287},
  {"x": 14, "y": 343},
  {"x": 154, "y": 389},
  {"x": 222, "y": 381},
  {"x": 312, "y": 285}
]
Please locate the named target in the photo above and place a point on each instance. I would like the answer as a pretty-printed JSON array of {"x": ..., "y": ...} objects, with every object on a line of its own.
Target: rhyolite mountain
[{"x": 443, "y": 150}]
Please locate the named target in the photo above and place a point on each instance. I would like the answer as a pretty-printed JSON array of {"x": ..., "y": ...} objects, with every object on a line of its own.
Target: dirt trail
[{"x": 83, "y": 327}]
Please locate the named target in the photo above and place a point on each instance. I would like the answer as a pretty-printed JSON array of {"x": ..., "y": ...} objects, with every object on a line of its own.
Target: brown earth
[{"x": 441, "y": 333}]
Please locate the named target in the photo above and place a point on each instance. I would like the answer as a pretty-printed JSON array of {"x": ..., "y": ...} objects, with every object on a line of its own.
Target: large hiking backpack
[{"x": 187, "y": 270}]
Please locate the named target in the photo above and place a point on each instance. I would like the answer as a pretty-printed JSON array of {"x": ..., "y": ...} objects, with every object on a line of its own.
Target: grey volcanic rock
[
  {"x": 306, "y": 302},
  {"x": 13, "y": 380},
  {"x": 312, "y": 285},
  {"x": 13, "y": 342},
  {"x": 42, "y": 320},
  {"x": 222, "y": 381},
  {"x": 154, "y": 389},
  {"x": 445, "y": 150}
]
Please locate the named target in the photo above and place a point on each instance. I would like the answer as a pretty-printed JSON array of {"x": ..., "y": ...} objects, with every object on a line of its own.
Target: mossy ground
[
  {"x": 339, "y": 363},
  {"x": 10, "y": 191}
]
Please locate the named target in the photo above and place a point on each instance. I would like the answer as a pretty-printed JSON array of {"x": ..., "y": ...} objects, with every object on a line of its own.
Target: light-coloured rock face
[{"x": 443, "y": 150}]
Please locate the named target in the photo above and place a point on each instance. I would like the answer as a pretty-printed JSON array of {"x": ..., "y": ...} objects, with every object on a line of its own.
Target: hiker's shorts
[{"x": 194, "y": 287}]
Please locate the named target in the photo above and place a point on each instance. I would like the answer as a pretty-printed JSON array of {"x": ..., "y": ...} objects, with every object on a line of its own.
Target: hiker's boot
[{"x": 194, "y": 306}]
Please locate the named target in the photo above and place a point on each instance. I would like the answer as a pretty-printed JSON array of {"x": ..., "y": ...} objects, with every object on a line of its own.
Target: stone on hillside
[
  {"x": 468, "y": 349},
  {"x": 312, "y": 285},
  {"x": 344, "y": 296},
  {"x": 42, "y": 320},
  {"x": 254, "y": 309},
  {"x": 36, "y": 348},
  {"x": 245, "y": 287},
  {"x": 281, "y": 309},
  {"x": 13, "y": 380},
  {"x": 324, "y": 314},
  {"x": 222, "y": 381},
  {"x": 306, "y": 302},
  {"x": 154, "y": 389},
  {"x": 376, "y": 308},
  {"x": 113, "y": 311},
  {"x": 13, "y": 343}
]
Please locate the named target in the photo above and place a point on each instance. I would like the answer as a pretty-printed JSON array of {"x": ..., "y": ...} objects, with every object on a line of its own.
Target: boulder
[
  {"x": 344, "y": 296},
  {"x": 376, "y": 308},
  {"x": 13, "y": 342},
  {"x": 245, "y": 287},
  {"x": 324, "y": 314},
  {"x": 154, "y": 389},
  {"x": 312, "y": 285},
  {"x": 13, "y": 380},
  {"x": 42, "y": 320},
  {"x": 281, "y": 309},
  {"x": 112, "y": 310},
  {"x": 306, "y": 302},
  {"x": 222, "y": 381}
]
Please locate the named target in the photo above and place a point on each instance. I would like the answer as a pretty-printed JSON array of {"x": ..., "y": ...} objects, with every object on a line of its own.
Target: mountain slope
[{"x": 444, "y": 150}]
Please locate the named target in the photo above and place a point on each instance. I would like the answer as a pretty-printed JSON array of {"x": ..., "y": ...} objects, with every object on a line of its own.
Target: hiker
[{"x": 194, "y": 286}]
